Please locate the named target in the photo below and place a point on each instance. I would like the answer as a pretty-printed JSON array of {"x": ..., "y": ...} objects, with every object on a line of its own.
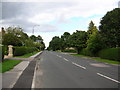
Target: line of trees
[
  {"x": 93, "y": 40},
  {"x": 16, "y": 37}
]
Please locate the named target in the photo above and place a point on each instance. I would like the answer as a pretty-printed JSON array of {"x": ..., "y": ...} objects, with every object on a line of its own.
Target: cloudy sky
[{"x": 53, "y": 17}]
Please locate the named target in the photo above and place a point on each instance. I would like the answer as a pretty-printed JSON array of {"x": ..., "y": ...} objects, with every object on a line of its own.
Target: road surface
[{"x": 60, "y": 70}]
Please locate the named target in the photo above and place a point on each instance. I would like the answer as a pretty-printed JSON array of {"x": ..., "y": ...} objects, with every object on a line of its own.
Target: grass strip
[
  {"x": 79, "y": 55},
  {"x": 28, "y": 55},
  {"x": 8, "y": 65},
  {"x": 99, "y": 59},
  {"x": 106, "y": 61}
]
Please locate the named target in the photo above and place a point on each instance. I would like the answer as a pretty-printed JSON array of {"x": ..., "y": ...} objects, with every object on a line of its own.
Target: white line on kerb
[
  {"x": 108, "y": 78},
  {"x": 78, "y": 65},
  {"x": 65, "y": 59}
]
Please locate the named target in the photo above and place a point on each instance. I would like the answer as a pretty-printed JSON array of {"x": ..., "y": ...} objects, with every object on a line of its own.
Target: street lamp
[{"x": 34, "y": 27}]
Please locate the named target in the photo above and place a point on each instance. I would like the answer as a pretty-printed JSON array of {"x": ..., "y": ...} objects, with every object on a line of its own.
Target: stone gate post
[{"x": 10, "y": 51}]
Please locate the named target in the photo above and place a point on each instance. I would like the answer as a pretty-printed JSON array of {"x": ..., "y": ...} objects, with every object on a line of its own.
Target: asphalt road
[{"x": 60, "y": 70}]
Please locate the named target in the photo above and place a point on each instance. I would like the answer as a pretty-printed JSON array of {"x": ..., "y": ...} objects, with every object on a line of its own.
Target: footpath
[{"x": 21, "y": 76}]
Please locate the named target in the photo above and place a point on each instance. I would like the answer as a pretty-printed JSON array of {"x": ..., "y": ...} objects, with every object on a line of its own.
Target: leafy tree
[
  {"x": 110, "y": 28},
  {"x": 38, "y": 38},
  {"x": 65, "y": 40},
  {"x": 91, "y": 28},
  {"x": 55, "y": 43},
  {"x": 33, "y": 37},
  {"x": 10, "y": 39},
  {"x": 17, "y": 32},
  {"x": 29, "y": 43},
  {"x": 78, "y": 40},
  {"x": 94, "y": 43}
]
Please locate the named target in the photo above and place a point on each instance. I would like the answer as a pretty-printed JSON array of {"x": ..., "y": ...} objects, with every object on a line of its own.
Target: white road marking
[
  {"x": 108, "y": 78},
  {"x": 78, "y": 65},
  {"x": 65, "y": 59},
  {"x": 60, "y": 56}
]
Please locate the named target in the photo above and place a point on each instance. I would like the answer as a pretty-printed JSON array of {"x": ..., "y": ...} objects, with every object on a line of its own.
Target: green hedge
[
  {"x": 86, "y": 52},
  {"x": 19, "y": 51},
  {"x": 110, "y": 53}
]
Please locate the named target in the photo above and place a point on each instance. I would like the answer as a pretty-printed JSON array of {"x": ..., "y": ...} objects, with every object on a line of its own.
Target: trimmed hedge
[
  {"x": 19, "y": 51},
  {"x": 86, "y": 52},
  {"x": 110, "y": 53}
]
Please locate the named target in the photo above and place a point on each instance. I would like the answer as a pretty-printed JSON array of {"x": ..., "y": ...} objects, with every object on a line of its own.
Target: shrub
[
  {"x": 5, "y": 49},
  {"x": 110, "y": 53},
  {"x": 19, "y": 51},
  {"x": 86, "y": 52}
]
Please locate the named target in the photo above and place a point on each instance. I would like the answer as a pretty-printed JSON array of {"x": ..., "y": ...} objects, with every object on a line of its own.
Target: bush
[
  {"x": 110, "y": 53},
  {"x": 86, "y": 52},
  {"x": 19, "y": 51},
  {"x": 5, "y": 50}
]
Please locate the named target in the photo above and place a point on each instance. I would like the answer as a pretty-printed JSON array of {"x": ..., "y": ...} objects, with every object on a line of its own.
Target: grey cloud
[
  {"x": 11, "y": 10},
  {"x": 17, "y": 13},
  {"x": 14, "y": 9}
]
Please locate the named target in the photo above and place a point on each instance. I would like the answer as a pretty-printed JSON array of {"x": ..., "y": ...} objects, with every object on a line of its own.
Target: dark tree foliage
[
  {"x": 10, "y": 39},
  {"x": 78, "y": 40},
  {"x": 110, "y": 28},
  {"x": 55, "y": 43},
  {"x": 65, "y": 40}
]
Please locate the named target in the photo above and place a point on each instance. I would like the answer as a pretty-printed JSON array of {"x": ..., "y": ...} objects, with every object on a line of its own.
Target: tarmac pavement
[{"x": 10, "y": 78}]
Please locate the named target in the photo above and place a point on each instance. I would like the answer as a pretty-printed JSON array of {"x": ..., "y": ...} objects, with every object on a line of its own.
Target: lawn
[
  {"x": 8, "y": 64},
  {"x": 99, "y": 59},
  {"x": 28, "y": 55}
]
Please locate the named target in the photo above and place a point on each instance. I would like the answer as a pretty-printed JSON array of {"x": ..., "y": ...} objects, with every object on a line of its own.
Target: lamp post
[{"x": 33, "y": 28}]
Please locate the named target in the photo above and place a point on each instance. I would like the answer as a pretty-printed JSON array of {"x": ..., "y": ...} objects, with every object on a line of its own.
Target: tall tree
[
  {"x": 91, "y": 28},
  {"x": 55, "y": 43},
  {"x": 110, "y": 28},
  {"x": 65, "y": 40},
  {"x": 94, "y": 43},
  {"x": 78, "y": 40}
]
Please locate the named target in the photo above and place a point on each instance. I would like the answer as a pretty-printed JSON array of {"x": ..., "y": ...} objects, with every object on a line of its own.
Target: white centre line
[
  {"x": 59, "y": 56},
  {"x": 78, "y": 65},
  {"x": 108, "y": 78},
  {"x": 65, "y": 59}
]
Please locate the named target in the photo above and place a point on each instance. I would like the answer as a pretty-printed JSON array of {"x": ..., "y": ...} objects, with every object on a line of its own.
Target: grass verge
[
  {"x": 99, "y": 59},
  {"x": 106, "y": 61},
  {"x": 79, "y": 55},
  {"x": 28, "y": 55},
  {"x": 8, "y": 65}
]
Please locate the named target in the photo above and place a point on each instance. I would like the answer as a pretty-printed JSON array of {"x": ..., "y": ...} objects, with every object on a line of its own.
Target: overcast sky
[{"x": 54, "y": 16}]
